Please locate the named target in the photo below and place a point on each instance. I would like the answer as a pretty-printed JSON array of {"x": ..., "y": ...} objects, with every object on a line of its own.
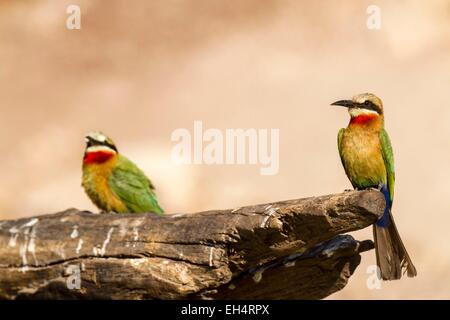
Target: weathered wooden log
[{"x": 283, "y": 250}]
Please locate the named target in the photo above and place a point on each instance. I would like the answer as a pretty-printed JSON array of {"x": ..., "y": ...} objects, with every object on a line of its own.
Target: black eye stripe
[
  {"x": 92, "y": 142},
  {"x": 369, "y": 105},
  {"x": 111, "y": 146}
]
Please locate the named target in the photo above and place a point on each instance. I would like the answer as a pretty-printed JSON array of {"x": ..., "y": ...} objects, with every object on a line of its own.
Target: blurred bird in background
[
  {"x": 366, "y": 153},
  {"x": 114, "y": 183}
]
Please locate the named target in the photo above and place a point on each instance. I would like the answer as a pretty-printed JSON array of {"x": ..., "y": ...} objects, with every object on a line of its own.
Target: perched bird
[
  {"x": 368, "y": 160},
  {"x": 114, "y": 183}
]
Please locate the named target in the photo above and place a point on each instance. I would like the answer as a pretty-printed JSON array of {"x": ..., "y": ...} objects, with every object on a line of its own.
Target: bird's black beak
[{"x": 344, "y": 103}]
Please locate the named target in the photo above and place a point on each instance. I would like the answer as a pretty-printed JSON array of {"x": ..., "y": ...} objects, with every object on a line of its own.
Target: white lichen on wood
[
  {"x": 74, "y": 233},
  {"x": 79, "y": 246},
  {"x": 269, "y": 211}
]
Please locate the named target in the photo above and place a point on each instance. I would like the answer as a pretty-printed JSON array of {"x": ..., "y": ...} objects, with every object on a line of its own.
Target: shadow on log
[{"x": 283, "y": 250}]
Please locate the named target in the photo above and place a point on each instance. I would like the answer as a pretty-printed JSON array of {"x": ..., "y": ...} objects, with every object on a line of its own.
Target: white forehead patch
[
  {"x": 97, "y": 136},
  {"x": 354, "y": 112},
  {"x": 361, "y": 98}
]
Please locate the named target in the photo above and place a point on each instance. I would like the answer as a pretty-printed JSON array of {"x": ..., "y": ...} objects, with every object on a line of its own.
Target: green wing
[
  {"x": 340, "y": 135},
  {"x": 131, "y": 185},
  {"x": 388, "y": 156}
]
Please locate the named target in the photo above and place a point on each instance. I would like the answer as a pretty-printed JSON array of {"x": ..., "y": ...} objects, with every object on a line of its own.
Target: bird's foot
[{"x": 376, "y": 189}]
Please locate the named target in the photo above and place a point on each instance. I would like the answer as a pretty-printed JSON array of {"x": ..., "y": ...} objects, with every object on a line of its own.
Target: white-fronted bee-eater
[
  {"x": 114, "y": 183},
  {"x": 368, "y": 160}
]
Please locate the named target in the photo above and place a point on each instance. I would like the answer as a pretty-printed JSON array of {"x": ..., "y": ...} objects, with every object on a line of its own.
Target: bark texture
[{"x": 283, "y": 250}]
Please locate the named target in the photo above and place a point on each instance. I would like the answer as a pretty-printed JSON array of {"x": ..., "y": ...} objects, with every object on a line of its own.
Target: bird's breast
[
  {"x": 96, "y": 184},
  {"x": 362, "y": 158}
]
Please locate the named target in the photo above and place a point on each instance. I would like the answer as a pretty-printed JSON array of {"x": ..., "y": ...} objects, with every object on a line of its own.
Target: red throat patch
[
  {"x": 97, "y": 157},
  {"x": 363, "y": 119}
]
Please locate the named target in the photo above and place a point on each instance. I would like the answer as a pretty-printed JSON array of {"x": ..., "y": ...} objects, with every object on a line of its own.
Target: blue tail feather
[{"x": 384, "y": 220}]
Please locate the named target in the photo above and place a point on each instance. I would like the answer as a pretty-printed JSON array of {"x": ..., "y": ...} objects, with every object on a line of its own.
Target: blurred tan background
[{"x": 138, "y": 70}]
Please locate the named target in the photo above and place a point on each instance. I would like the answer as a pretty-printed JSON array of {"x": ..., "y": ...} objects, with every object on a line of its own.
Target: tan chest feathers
[
  {"x": 96, "y": 185},
  {"x": 363, "y": 159}
]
